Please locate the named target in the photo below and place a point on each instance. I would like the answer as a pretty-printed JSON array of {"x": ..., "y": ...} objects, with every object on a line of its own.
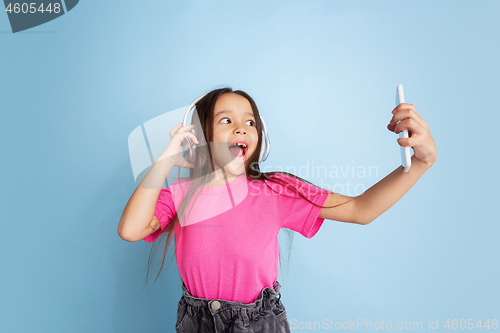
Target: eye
[{"x": 253, "y": 122}]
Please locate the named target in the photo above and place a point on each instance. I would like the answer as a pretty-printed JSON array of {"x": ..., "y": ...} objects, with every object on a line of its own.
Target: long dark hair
[{"x": 204, "y": 168}]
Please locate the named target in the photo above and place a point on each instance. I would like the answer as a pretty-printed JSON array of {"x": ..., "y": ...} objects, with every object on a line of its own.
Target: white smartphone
[{"x": 405, "y": 151}]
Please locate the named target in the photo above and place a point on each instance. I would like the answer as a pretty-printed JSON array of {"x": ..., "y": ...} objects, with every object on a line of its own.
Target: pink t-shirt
[{"x": 228, "y": 247}]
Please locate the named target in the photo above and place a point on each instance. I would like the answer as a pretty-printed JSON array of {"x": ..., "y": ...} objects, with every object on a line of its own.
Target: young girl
[{"x": 227, "y": 214}]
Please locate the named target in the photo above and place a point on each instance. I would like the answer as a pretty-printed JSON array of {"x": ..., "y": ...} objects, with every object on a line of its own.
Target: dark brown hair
[{"x": 202, "y": 172}]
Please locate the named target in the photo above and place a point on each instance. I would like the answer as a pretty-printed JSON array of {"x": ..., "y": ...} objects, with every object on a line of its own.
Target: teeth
[{"x": 242, "y": 145}]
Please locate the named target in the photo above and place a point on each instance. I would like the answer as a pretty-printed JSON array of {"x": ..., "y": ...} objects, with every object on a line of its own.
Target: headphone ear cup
[
  {"x": 187, "y": 143},
  {"x": 191, "y": 151},
  {"x": 192, "y": 155},
  {"x": 263, "y": 148}
]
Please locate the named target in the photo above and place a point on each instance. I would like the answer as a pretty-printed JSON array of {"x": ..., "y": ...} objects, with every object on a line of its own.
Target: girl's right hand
[{"x": 173, "y": 150}]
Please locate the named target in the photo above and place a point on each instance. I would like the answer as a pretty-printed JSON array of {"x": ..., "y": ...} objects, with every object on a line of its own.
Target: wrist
[
  {"x": 165, "y": 164},
  {"x": 423, "y": 164}
]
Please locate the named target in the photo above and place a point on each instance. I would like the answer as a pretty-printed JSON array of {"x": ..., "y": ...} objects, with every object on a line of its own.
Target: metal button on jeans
[{"x": 215, "y": 305}]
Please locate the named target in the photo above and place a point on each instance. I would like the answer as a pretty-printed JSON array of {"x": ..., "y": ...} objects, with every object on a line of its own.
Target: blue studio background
[{"x": 324, "y": 76}]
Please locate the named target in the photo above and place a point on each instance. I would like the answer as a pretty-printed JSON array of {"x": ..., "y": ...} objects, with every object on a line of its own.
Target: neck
[{"x": 221, "y": 177}]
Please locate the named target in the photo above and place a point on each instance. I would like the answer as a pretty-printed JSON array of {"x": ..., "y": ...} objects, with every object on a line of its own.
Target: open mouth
[{"x": 238, "y": 150}]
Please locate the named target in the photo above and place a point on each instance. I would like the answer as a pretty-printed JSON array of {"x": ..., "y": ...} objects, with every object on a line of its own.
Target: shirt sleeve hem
[{"x": 318, "y": 222}]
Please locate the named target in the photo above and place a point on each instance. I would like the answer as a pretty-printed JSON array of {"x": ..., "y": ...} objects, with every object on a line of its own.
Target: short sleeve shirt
[{"x": 228, "y": 248}]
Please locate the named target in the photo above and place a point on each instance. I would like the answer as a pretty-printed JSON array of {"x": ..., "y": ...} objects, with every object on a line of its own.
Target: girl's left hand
[{"x": 419, "y": 136}]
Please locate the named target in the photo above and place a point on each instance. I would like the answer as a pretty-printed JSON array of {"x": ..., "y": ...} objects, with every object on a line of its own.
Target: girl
[{"x": 227, "y": 214}]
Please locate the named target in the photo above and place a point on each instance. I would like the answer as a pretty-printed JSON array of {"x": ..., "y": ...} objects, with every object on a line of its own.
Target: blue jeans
[{"x": 200, "y": 315}]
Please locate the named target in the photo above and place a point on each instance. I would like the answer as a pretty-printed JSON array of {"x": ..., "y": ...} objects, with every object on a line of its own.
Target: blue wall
[{"x": 324, "y": 76}]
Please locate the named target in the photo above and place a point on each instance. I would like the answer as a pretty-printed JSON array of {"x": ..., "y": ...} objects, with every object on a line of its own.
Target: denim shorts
[{"x": 200, "y": 315}]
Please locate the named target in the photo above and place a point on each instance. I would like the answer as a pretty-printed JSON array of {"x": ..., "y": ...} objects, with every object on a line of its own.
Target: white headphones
[{"x": 266, "y": 145}]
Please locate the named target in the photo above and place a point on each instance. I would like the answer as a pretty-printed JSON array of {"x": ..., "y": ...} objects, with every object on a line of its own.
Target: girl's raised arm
[{"x": 137, "y": 217}]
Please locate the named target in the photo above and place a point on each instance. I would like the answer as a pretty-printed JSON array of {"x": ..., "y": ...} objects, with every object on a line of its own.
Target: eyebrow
[{"x": 230, "y": 111}]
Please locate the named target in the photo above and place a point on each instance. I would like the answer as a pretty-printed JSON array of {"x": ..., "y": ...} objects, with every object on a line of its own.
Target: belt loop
[{"x": 245, "y": 317}]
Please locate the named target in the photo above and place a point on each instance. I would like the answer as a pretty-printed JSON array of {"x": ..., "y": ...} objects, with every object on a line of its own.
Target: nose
[{"x": 240, "y": 129}]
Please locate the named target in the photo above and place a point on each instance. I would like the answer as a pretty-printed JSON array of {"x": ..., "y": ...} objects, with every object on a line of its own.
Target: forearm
[
  {"x": 140, "y": 208},
  {"x": 383, "y": 195}
]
